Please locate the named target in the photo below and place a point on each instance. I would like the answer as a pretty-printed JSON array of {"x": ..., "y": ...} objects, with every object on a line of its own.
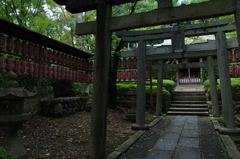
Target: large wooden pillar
[
  {"x": 100, "y": 81},
  {"x": 213, "y": 87},
  {"x": 225, "y": 83},
  {"x": 141, "y": 90},
  {"x": 159, "y": 100}
]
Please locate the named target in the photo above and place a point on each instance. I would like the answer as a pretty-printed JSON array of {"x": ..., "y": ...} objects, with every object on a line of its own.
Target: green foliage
[
  {"x": 4, "y": 154},
  {"x": 154, "y": 82},
  {"x": 204, "y": 72},
  {"x": 123, "y": 88},
  {"x": 47, "y": 89},
  {"x": 168, "y": 87},
  {"x": 28, "y": 82},
  {"x": 3, "y": 79},
  {"x": 193, "y": 1},
  {"x": 170, "y": 74},
  {"x": 21, "y": 12},
  {"x": 77, "y": 86},
  {"x": 165, "y": 93},
  {"x": 235, "y": 83},
  {"x": 235, "y": 139},
  {"x": 206, "y": 86}
]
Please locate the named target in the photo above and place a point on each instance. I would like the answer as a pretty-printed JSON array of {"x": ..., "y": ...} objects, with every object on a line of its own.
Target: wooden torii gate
[
  {"x": 180, "y": 50},
  {"x": 105, "y": 24}
]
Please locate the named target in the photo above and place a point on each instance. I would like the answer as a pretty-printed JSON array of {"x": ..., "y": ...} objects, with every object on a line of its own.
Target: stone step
[
  {"x": 188, "y": 91},
  {"x": 189, "y": 102},
  {"x": 193, "y": 98},
  {"x": 205, "y": 113},
  {"x": 187, "y": 109},
  {"x": 189, "y": 94},
  {"x": 183, "y": 105}
]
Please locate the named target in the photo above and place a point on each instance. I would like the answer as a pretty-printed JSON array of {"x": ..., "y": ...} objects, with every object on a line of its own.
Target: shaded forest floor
[{"x": 68, "y": 137}]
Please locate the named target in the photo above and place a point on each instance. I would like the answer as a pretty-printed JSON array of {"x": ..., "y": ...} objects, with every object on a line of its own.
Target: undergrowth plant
[{"x": 4, "y": 154}]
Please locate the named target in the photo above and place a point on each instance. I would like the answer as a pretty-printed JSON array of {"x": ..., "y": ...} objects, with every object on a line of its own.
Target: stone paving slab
[
  {"x": 178, "y": 123},
  {"x": 190, "y": 133},
  {"x": 171, "y": 135},
  {"x": 189, "y": 142},
  {"x": 187, "y": 153},
  {"x": 191, "y": 126},
  {"x": 175, "y": 128},
  {"x": 164, "y": 144},
  {"x": 180, "y": 118},
  {"x": 160, "y": 154}
]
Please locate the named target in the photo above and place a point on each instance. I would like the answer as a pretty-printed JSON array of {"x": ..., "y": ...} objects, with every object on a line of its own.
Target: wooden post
[
  {"x": 189, "y": 76},
  {"x": 237, "y": 19},
  {"x": 159, "y": 104},
  {"x": 39, "y": 93},
  {"x": 100, "y": 81},
  {"x": 225, "y": 83},
  {"x": 141, "y": 83},
  {"x": 178, "y": 40},
  {"x": 151, "y": 93},
  {"x": 178, "y": 74},
  {"x": 213, "y": 87}
]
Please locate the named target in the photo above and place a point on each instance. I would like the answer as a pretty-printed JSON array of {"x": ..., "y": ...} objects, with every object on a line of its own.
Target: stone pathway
[
  {"x": 180, "y": 137},
  {"x": 179, "y": 141}
]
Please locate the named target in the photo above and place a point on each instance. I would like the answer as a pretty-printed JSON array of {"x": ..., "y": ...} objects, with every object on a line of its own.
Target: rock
[
  {"x": 74, "y": 109},
  {"x": 65, "y": 112},
  {"x": 58, "y": 110},
  {"x": 70, "y": 110},
  {"x": 62, "y": 106}
]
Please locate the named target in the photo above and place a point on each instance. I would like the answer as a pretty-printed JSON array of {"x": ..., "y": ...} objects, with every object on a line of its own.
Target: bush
[
  {"x": 4, "y": 154},
  {"x": 154, "y": 82},
  {"x": 77, "y": 87},
  {"x": 123, "y": 88},
  {"x": 168, "y": 87},
  {"x": 169, "y": 74},
  {"x": 3, "y": 79},
  {"x": 167, "y": 84},
  {"x": 235, "y": 83},
  {"x": 165, "y": 93}
]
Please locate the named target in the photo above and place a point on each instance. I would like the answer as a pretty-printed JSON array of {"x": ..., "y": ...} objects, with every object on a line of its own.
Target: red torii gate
[{"x": 105, "y": 24}]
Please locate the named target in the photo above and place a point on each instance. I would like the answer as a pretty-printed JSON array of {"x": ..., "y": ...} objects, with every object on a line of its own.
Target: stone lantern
[
  {"x": 11, "y": 115},
  {"x": 132, "y": 95}
]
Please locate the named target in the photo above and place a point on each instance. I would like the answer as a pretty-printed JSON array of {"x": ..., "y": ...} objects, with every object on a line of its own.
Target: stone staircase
[{"x": 188, "y": 101}]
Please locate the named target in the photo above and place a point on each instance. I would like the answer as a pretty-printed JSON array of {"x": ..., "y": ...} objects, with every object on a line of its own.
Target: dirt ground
[{"x": 68, "y": 137}]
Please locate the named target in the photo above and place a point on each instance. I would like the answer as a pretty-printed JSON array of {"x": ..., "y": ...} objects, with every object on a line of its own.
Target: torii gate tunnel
[{"x": 165, "y": 14}]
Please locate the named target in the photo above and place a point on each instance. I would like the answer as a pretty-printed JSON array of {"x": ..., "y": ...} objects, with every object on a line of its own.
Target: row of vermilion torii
[{"x": 22, "y": 57}]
